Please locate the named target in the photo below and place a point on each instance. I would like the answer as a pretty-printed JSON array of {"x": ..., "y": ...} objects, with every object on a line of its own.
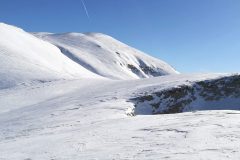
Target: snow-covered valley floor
[{"x": 87, "y": 119}]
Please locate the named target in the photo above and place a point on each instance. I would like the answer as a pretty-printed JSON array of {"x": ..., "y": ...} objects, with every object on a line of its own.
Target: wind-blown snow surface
[{"x": 86, "y": 119}]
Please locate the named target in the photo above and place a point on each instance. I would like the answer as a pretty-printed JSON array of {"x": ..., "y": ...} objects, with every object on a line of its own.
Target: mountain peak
[
  {"x": 47, "y": 56},
  {"x": 108, "y": 57}
]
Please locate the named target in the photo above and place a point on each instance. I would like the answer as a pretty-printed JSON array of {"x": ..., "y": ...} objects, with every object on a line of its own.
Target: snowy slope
[
  {"x": 88, "y": 121},
  {"x": 107, "y": 56},
  {"x": 64, "y": 108},
  {"x": 27, "y": 58}
]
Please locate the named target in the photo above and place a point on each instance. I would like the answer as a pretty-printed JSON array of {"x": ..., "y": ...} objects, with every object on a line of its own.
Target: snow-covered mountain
[
  {"x": 106, "y": 56},
  {"x": 60, "y": 100},
  {"x": 27, "y": 58}
]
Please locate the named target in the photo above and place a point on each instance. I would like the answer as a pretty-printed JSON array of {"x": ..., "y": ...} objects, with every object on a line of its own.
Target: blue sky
[{"x": 191, "y": 35}]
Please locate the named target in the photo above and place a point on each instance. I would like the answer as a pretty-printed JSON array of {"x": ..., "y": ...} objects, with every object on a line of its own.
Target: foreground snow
[{"x": 86, "y": 119}]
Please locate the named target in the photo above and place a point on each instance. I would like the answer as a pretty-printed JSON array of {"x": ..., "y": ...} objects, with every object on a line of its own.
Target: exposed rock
[{"x": 181, "y": 98}]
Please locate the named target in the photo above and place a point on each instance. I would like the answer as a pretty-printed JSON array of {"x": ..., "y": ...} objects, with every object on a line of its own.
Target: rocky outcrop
[{"x": 221, "y": 93}]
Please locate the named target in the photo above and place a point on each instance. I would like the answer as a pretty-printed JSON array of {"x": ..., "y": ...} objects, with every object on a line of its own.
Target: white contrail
[{"x": 85, "y": 8}]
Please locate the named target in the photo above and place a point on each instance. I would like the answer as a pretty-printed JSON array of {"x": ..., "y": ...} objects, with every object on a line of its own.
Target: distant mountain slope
[
  {"x": 107, "y": 56},
  {"x": 27, "y": 58},
  {"x": 23, "y": 57}
]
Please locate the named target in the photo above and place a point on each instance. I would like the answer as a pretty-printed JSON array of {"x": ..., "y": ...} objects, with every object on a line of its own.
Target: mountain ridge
[
  {"x": 33, "y": 57},
  {"x": 105, "y": 48}
]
